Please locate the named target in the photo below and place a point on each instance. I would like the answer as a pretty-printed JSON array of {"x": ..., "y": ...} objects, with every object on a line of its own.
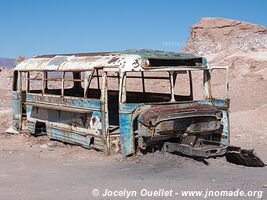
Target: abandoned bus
[{"x": 123, "y": 102}]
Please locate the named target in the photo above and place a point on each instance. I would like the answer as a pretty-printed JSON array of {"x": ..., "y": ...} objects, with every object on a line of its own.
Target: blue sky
[{"x": 33, "y": 27}]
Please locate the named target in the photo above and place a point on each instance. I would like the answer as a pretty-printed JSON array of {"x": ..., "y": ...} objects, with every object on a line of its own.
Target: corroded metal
[
  {"x": 85, "y": 120},
  {"x": 121, "y": 61}
]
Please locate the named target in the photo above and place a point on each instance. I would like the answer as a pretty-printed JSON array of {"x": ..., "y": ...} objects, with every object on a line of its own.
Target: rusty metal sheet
[
  {"x": 33, "y": 64},
  {"x": 122, "y": 61},
  {"x": 146, "y": 117}
]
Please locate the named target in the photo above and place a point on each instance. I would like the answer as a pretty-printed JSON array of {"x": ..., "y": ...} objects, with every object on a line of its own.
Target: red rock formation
[{"x": 212, "y": 35}]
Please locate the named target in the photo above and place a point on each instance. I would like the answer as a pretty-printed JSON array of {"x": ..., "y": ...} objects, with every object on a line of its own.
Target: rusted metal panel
[
  {"x": 71, "y": 102},
  {"x": 73, "y": 63},
  {"x": 17, "y": 110},
  {"x": 126, "y": 135},
  {"x": 122, "y": 61},
  {"x": 223, "y": 106},
  {"x": 126, "y": 112},
  {"x": 154, "y": 114},
  {"x": 162, "y": 122},
  {"x": 33, "y": 64},
  {"x": 68, "y": 136},
  {"x": 62, "y": 120},
  {"x": 210, "y": 149}
]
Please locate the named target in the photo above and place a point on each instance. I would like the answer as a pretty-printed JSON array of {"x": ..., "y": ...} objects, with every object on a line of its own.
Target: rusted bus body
[
  {"x": 68, "y": 115},
  {"x": 112, "y": 120}
]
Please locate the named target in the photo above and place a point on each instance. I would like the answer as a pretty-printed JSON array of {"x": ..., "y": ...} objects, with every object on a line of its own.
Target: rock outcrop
[{"x": 212, "y": 35}]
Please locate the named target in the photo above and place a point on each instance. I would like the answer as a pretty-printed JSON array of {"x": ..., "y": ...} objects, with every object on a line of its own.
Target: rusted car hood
[{"x": 150, "y": 116}]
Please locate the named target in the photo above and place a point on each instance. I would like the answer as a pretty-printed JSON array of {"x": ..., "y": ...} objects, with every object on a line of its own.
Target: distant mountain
[{"x": 7, "y": 62}]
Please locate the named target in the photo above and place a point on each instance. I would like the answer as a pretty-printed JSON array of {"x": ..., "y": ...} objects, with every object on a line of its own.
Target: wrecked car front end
[
  {"x": 183, "y": 121},
  {"x": 186, "y": 125}
]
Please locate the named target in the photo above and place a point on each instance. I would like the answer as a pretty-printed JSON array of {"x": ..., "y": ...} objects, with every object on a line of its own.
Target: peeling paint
[{"x": 85, "y": 121}]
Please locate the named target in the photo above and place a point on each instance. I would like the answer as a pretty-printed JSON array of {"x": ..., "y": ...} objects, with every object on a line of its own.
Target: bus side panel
[
  {"x": 68, "y": 136},
  {"x": 17, "y": 110},
  {"x": 126, "y": 135},
  {"x": 70, "y": 120},
  {"x": 126, "y": 128},
  {"x": 222, "y": 105}
]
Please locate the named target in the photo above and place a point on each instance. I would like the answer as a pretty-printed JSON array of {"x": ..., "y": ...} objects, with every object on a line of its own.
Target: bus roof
[{"x": 129, "y": 60}]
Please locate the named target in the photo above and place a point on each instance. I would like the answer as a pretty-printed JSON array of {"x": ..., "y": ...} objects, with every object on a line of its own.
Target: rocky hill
[
  {"x": 212, "y": 35},
  {"x": 7, "y": 62},
  {"x": 243, "y": 47}
]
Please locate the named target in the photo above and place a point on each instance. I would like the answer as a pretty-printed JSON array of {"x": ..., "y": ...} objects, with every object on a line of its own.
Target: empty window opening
[
  {"x": 113, "y": 100},
  {"x": 182, "y": 85},
  {"x": 145, "y": 87},
  {"x": 36, "y": 82}
]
